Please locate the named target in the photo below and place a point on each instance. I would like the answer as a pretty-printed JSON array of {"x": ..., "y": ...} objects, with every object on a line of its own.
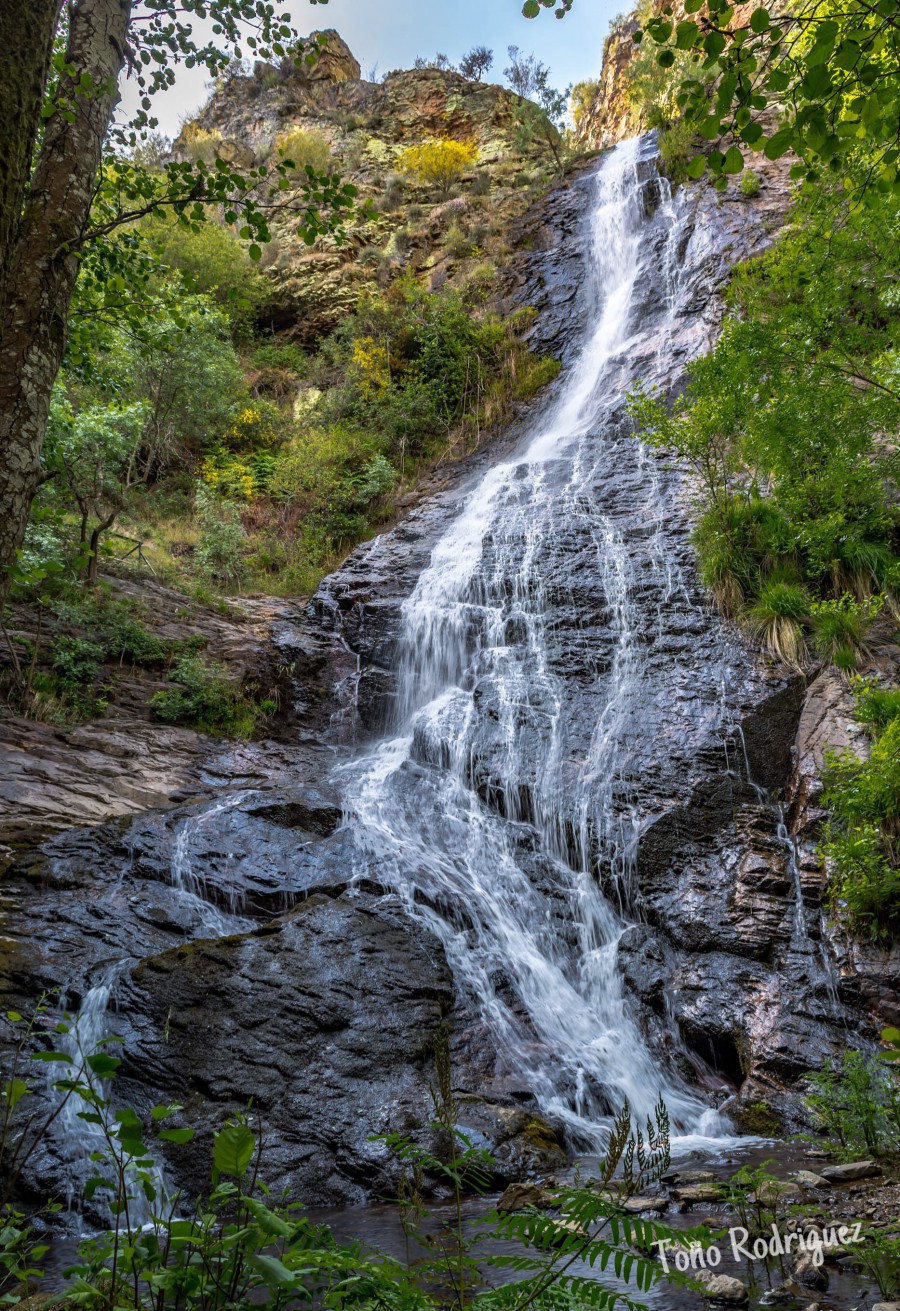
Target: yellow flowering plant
[{"x": 439, "y": 162}]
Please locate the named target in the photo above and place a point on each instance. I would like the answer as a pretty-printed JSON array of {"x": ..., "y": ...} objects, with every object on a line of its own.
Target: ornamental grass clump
[{"x": 777, "y": 619}]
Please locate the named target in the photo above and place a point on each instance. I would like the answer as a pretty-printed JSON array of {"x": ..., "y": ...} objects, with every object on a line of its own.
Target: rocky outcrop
[
  {"x": 123, "y": 762},
  {"x": 272, "y": 1019},
  {"x": 609, "y": 116},
  {"x": 866, "y": 973},
  {"x": 401, "y": 225}
]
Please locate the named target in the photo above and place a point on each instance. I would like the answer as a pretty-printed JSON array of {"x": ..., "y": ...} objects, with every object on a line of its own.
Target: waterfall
[{"x": 504, "y": 811}]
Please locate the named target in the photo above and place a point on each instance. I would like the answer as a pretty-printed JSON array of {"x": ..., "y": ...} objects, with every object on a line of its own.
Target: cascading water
[
  {"x": 502, "y": 816},
  {"x": 91, "y": 1026}
]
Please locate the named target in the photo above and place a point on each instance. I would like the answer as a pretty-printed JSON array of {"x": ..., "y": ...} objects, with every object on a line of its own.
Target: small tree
[
  {"x": 539, "y": 122},
  {"x": 439, "y": 163},
  {"x": 476, "y": 63},
  {"x": 584, "y": 96},
  {"x": 439, "y": 61},
  {"x": 525, "y": 73},
  {"x": 95, "y": 452}
]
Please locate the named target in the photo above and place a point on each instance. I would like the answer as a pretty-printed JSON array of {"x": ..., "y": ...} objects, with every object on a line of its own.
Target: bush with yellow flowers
[
  {"x": 438, "y": 163},
  {"x": 253, "y": 429},
  {"x": 304, "y": 148},
  {"x": 371, "y": 365}
]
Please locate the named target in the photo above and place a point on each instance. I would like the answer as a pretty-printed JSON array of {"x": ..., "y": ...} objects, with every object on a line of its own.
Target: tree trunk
[
  {"x": 94, "y": 548},
  {"x": 26, "y": 46},
  {"x": 45, "y": 259}
]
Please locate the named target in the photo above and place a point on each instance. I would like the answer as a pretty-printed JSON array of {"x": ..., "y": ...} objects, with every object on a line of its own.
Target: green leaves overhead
[
  {"x": 531, "y": 8},
  {"x": 831, "y": 74}
]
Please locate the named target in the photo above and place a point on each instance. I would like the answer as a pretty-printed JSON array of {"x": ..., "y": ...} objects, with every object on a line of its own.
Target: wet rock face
[
  {"x": 273, "y": 1017},
  {"x": 727, "y": 970},
  {"x": 238, "y": 926},
  {"x": 242, "y": 967}
]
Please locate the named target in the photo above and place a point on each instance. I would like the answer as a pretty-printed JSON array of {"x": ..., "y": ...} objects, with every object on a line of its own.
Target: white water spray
[{"x": 499, "y": 817}]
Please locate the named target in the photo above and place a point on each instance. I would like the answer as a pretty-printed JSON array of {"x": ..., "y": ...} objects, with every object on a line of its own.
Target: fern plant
[
  {"x": 586, "y": 1226},
  {"x": 237, "y": 1246}
]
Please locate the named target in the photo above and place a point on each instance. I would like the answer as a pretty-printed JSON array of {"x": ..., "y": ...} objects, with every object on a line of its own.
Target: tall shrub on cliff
[{"x": 66, "y": 188}]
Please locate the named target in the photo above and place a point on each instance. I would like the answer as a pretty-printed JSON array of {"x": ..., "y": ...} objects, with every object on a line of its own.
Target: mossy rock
[{"x": 760, "y": 1119}]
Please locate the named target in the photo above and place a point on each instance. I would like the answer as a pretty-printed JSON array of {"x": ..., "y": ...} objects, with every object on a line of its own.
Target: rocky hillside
[{"x": 361, "y": 128}]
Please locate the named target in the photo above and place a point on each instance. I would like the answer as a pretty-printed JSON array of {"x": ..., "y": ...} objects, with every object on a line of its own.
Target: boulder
[
  {"x": 335, "y": 63},
  {"x": 323, "y": 1019},
  {"x": 807, "y": 1179},
  {"x": 851, "y": 1171},
  {"x": 695, "y": 1193},
  {"x": 520, "y": 1196},
  {"x": 806, "y": 1272},
  {"x": 722, "y": 1288},
  {"x": 638, "y": 1205}
]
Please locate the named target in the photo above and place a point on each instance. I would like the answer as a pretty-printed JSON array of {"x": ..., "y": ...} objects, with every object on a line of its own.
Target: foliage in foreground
[
  {"x": 828, "y": 70},
  {"x": 856, "y": 1098},
  {"x": 239, "y": 1245}
]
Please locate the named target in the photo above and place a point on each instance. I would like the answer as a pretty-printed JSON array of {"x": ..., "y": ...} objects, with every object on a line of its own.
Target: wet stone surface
[{"x": 298, "y": 937}]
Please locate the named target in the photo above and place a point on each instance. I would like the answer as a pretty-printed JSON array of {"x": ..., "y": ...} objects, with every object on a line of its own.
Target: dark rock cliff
[{"x": 239, "y": 963}]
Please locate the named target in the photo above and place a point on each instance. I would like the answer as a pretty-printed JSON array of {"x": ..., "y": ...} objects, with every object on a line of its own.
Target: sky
[{"x": 391, "y": 33}]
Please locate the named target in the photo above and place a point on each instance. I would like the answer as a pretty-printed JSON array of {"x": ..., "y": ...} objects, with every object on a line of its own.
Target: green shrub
[
  {"x": 677, "y": 146},
  {"x": 200, "y": 145},
  {"x": 220, "y": 551},
  {"x": 879, "y": 1257},
  {"x": 864, "y": 885},
  {"x": 304, "y": 148},
  {"x": 283, "y": 356},
  {"x": 739, "y": 539},
  {"x": 457, "y": 243},
  {"x": 77, "y": 662},
  {"x": 115, "y": 626},
  {"x": 205, "y": 698},
  {"x": 876, "y": 705},
  {"x": 750, "y": 184},
  {"x": 857, "y": 1100},
  {"x": 863, "y": 797},
  {"x": 774, "y": 416},
  {"x": 215, "y": 263}
]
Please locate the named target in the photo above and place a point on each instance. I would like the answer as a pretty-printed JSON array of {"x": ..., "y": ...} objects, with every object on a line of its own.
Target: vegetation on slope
[{"x": 238, "y": 458}]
